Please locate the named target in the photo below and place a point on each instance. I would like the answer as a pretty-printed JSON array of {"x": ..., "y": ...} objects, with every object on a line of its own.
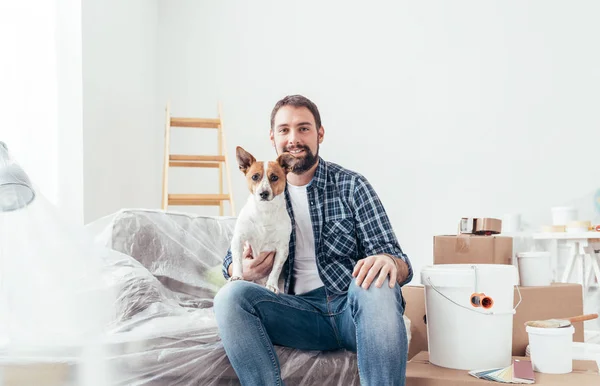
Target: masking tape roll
[
  {"x": 578, "y": 226},
  {"x": 554, "y": 228}
]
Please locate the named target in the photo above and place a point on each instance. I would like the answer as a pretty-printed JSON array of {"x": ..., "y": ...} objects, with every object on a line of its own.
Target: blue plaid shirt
[{"x": 349, "y": 224}]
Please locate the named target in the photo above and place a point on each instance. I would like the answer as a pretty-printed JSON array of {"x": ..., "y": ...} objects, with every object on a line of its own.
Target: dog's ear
[
  {"x": 287, "y": 161},
  {"x": 244, "y": 159}
]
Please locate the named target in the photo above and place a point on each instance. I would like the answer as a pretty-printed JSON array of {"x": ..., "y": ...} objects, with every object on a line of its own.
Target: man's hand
[
  {"x": 379, "y": 266},
  {"x": 255, "y": 268}
]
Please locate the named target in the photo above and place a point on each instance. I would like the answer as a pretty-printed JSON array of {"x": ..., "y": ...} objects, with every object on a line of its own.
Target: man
[{"x": 342, "y": 277}]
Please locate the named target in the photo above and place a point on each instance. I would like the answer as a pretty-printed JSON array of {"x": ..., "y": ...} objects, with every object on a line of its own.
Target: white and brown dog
[{"x": 264, "y": 222}]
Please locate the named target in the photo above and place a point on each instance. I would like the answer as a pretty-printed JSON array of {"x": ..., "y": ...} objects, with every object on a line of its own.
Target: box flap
[{"x": 422, "y": 357}]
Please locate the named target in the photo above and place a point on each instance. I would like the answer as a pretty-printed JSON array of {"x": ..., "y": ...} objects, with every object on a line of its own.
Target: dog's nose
[{"x": 264, "y": 195}]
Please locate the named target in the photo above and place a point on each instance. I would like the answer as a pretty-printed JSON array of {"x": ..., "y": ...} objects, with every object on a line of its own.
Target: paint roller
[{"x": 480, "y": 299}]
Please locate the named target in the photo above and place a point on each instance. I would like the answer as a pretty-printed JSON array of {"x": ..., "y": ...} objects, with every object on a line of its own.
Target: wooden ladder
[{"x": 218, "y": 160}]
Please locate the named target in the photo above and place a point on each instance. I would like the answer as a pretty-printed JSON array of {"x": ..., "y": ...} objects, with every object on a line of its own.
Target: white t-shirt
[{"x": 306, "y": 276}]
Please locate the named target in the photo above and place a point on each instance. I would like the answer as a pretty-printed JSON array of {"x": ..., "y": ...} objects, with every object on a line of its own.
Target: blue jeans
[{"x": 251, "y": 319}]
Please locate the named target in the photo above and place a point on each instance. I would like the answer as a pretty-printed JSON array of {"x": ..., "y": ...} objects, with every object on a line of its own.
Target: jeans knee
[
  {"x": 378, "y": 298},
  {"x": 374, "y": 294},
  {"x": 379, "y": 310},
  {"x": 230, "y": 297}
]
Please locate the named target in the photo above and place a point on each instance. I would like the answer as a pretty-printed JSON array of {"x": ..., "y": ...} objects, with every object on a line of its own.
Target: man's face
[{"x": 294, "y": 131}]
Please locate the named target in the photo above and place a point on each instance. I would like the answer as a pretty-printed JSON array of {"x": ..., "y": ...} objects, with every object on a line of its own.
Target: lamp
[{"x": 16, "y": 191}]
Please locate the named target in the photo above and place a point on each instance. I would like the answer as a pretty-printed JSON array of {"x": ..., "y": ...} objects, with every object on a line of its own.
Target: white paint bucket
[
  {"x": 463, "y": 334},
  {"x": 562, "y": 215},
  {"x": 534, "y": 268},
  {"x": 551, "y": 349}
]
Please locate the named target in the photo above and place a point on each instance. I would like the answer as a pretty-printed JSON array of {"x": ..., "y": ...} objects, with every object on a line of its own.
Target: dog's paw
[
  {"x": 272, "y": 289},
  {"x": 234, "y": 278}
]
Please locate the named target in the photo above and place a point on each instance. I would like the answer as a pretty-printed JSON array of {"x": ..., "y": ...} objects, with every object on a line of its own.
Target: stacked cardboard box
[
  {"x": 555, "y": 301},
  {"x": 468, "y": 249},
  {"x": 34, "y": 373}
]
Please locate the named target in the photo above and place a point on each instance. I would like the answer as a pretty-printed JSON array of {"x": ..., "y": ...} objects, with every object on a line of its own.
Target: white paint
[{"x": 449, "y": 109}]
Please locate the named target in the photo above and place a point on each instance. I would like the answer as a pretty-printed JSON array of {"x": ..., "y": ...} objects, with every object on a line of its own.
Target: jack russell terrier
[{"x": 264, "y": 222}]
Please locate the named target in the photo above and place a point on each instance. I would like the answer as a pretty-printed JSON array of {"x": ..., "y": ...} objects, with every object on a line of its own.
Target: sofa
[{"x": 167, "y": 270}]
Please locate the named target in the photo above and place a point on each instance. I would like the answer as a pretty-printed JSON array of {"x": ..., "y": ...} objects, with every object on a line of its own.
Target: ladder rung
[
  {"x": 194, "y": 164},
  {"x": 197, "y": 199},
  {"x": 181, "y": 157},
  {"x": 204, "y": 123}
]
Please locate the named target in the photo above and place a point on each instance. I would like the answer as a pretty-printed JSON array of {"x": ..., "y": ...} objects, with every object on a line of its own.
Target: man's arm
[
  {"x": 254, "y": 268},
  {"x": 226, "y": 264},
  {"x": 374, "y": 230}
]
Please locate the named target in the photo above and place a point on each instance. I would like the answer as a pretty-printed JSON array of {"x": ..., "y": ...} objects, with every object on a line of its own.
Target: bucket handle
[{"x": 513, "y": 311}]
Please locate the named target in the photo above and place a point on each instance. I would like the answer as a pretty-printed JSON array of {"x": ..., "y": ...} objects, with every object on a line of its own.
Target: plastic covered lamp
[{"x": 57, "y": 297}]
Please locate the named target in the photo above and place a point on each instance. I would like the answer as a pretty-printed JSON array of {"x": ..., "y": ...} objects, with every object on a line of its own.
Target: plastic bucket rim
[
  {"x": 533, "y": 254},
  {"x": 562, "y": 208},
  {"x": 446, "y": 270},
  {"x": 554, "y": 331}
]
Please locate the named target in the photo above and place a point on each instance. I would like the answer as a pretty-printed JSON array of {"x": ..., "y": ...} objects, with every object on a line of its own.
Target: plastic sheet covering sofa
[{"x": 169, "y": 270}]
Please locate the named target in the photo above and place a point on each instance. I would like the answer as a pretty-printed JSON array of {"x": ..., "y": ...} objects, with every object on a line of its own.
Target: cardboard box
[
  {"x": 415, "y": 311},
  {"x": 419, "y": 372},
  {"x": 557, "y": 300},
  {"x": 39, "y": 374},
  {"x": 472, "y": 249}
]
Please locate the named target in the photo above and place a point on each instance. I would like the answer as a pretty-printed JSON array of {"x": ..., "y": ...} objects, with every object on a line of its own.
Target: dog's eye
[
  {"x": 255, "y": 177},
  {"x": 274, "y": 177}
]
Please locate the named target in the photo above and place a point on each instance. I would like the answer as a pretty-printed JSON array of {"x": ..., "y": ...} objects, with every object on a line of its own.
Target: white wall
[
  {"x": 70, "y": 109},
  {"x": 449, "y": 108},
  {"x": 65, "y": 115},
  {"x": 40, "y": 97},
  {"x": 122, "y": 124}
]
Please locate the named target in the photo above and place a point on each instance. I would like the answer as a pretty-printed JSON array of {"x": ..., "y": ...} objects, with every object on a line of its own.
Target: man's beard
[{"x": 305, "y": 163}]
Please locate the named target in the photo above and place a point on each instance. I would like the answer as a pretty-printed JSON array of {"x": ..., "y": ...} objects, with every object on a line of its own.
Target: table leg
[
  {"x": 569, "y": 267},
  {"x": 583, "y": 276},
  {"x": 595, "y": 257}
]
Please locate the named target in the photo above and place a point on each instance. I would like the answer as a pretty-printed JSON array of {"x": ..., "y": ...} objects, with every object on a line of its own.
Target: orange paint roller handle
[{"x": 581, "y": 318}]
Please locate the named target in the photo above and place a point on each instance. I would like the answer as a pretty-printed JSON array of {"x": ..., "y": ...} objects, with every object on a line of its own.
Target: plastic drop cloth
[
  {"x": 169, "y": 270},
  {"x": 131, "y": 305}
]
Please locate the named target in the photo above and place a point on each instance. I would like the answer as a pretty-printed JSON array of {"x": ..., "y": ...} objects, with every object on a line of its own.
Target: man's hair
[{"x": 297, "y": 101}]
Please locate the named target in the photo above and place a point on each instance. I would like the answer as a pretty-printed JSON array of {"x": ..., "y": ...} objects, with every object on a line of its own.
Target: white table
[{"x": 582, "y": 244}]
